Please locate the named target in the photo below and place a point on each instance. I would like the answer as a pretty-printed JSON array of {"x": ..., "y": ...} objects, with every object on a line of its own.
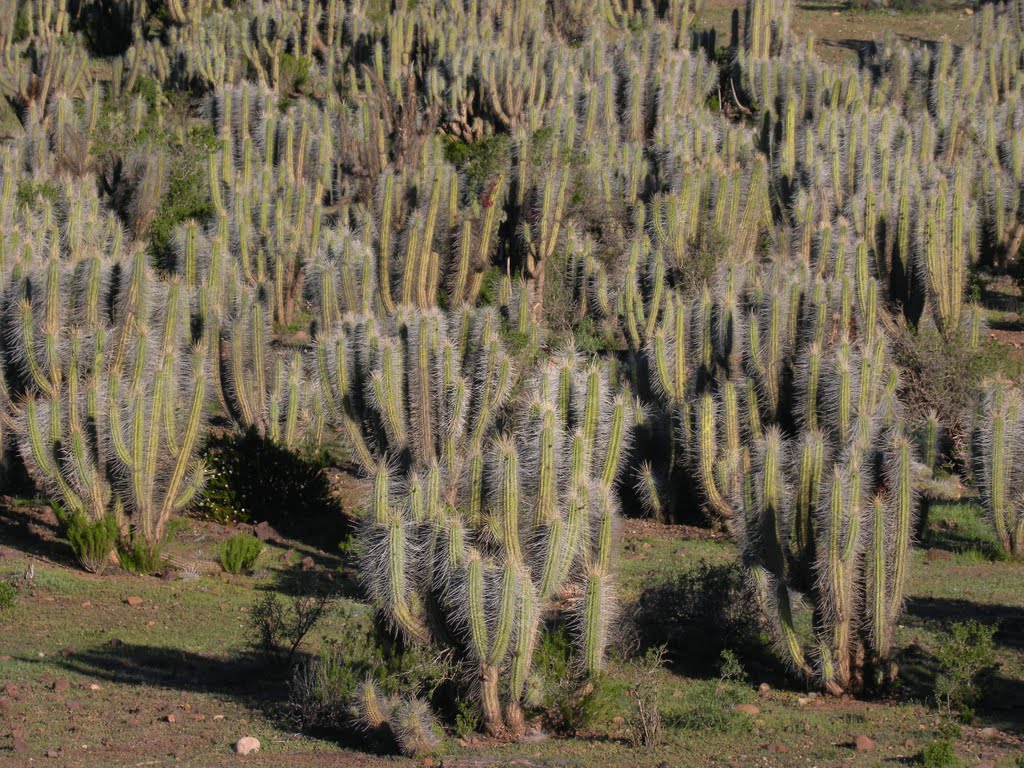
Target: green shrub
[
  {"x": 188, "y": 190},
  {"x": 93, "y": 542},
  {"x": 966, "y": 660},
  {"x": 239, "y": 553},
  {"x": 8, "y": 593},
  {"x": 139, "y": 558},
  {"x": 938, "y": 754}
]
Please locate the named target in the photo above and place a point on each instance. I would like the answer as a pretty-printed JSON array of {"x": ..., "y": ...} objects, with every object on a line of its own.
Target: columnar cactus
[
  {"x": 997, "y": 443},
  {"x": 469, "y": 527}
]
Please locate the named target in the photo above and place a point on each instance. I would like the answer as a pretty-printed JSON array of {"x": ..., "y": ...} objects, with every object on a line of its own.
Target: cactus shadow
[
  {"x": 33, "y": 530},
  {"x": 700, "y": 614},
  {"x": 922, "y": 611}
]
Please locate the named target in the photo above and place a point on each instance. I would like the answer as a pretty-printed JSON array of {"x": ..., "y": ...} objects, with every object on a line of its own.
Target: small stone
[
  {"x": 134, "y": 601},
  {"x": 115, "y": 643},
  {"x": 20, "y": 745},
  {"x": 94, "y": 687},
  {"x": 10, "y": 689},
  {"x": 169, "y": 574},
  {"x": 74, "y": 706},
  {"x": 863, "y": 744},
  {"x": 247, "y": 745},
  {"x": 909, "y": 743},
  {"x": 776, "y": 747},
  {"x": 428, "y": 762},
  {"x": 462, "y": 743},
  {"x": 747, "y": 709},
  {"x": 803, "y": 701},
  {"x": 53, "y": 753},
  {"x": 171, "y": 719},
  {"x": 307, "y": 563},
  {"x": 618, "y": 720},
  {"x": 87, "y": 604},
  {"x": 989, "y": 733},
  {"x": 968, "y": 11},
  {"x": 287, "y": 555},
  {"x": 677, "y": 694},
  {"x": 60, "y": 686},
  {"x": 151, "y": 623},
  {"x": 938, "y": 555},
  {"x": 68, "y": 652},
  {"x": 199, "y": 718},
  {"x": 5, "y": 658},
  {"x": 763, "y": 688},
  {"x": 218, "y": 717},
  {"x": 835, "y": 13}
]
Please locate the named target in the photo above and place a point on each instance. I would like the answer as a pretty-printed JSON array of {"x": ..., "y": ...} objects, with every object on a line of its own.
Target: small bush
[
  {"x": 93, "y": 542},
  {"x": 278, "y": 627},
  {"x": 938, "y": 754},
  {"x": 239, "y": 553},
  {"x": 138, "y": 557},
  {"x": 966, "y": 661},
  {"x": 644, "y": 722},
  {"x": 251, "y": 479},
  {"x": 8, "y": 593}
]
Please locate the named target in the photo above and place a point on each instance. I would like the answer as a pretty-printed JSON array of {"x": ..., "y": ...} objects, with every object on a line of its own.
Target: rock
[
  {"x": 115, "y": 643},
  {"x": 20, "y": 745},
  {"x": 134, "y": 601},
  {"x": 747, "y": 709},
  {"x": 803, "y": 701},
  {"x": 247, "y": 745},
  {"x": 10, "y": 689},
  {"x": 968, "y": 11},
  {"x": 5, "y": 658},
  {"x": 776, "y": 747},
  {"x": 264, "y": 532},
  {"x": 428, "y": 762},
  {"x": 663, "y": 764},
  {"x": 863, "y": 744},
  {"x": 171, "y": 718},
  {"x": 87, "y": 604},
  {"x": 938, "y": 555},
  {"x": 74, "y": 706},
  {"x": 989, "y": 733},
  {"x": 169, "y": 573},
  {"x": 218, "y": 717},
  {"x": 60, "y": 686},
  {"x": 307, "y": 563},
  {"x": 909, "y": 743},
  {"x": 94, "y": 687},
  {"x": 68, "y": 652},
  {"x": 835, "y": 13},
  {"x": 763, "y": 688},
  {"x": 53, "y": 753}
]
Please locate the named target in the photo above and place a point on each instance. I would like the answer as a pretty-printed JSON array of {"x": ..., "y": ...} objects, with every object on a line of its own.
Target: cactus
[
  {"x": 995, "y": 447},
  {"x": 511, "y": 520}
]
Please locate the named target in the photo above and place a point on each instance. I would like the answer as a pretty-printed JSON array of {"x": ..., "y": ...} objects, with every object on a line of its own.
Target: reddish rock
[
  {"x": 171, "y": 718},
  {"x": 264, "y": 532},
  {"x": 307, "y": 563},
  {"x": 863, "y": 744},
  {"x": 775, "y": 747},
  {"x": 763, "y": 688},
  {"x": 68, "y": 652},
  {"x": 60, "y": 686},
  {"x": 53, "y": 753},
  {"x": 247, "y": 745},
  {"x": 11, "y": 689},
  {"x": 20, "y": 745},
  {"x": 134, "y": 601},
  {"x": 5, "y": 658},
  {"x": 74, "y": 706},
  {"x": 115, "y": 643},
  {"x": 747, "y": 709}
]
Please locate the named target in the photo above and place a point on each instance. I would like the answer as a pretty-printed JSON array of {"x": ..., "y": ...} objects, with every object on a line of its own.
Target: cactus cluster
[{"x": 474, "y": 530}]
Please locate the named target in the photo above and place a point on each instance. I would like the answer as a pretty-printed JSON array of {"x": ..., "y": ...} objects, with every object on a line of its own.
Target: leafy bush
[
  {"x": 938, "y": 754},
  {"x": 253, "y": 479},
  {"x": 239, "y": 553},
  {"x": 92, "y": 542},
  {"x": 966, "y": 660},
  {"x": 8, "y": 594},
  {"x": 137, "y": 557}
]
